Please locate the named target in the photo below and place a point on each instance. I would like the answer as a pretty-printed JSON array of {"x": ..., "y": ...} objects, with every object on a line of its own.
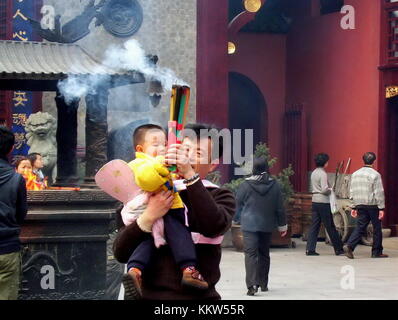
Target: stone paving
[{"x": 294, "y": 276}]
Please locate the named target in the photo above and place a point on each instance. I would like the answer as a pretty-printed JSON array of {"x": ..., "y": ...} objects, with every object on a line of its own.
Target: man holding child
[{"x": 209, "y": 213}]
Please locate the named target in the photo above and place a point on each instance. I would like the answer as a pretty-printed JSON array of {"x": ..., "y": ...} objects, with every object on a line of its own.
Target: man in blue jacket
[{"x": 13, "y": 209}]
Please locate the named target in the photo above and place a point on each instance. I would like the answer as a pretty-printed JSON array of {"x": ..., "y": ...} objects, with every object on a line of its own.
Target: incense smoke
[
  {"x": 131, "y": 103},
  {"x": 132, "y": 57},
  {"x": 129, "y": 57},
  {"x": 75, "y": 87}
]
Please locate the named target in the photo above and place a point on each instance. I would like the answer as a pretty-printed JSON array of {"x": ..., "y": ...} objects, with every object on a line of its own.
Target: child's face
[
  {"x": 24, "y": 167},
  {"x": 39, "y": 162},
  {"x": 154, "y": 143}
]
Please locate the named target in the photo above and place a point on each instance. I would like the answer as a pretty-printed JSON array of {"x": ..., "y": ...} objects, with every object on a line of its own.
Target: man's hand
[
  {"x": 158, "y": 205},
  {"x": 178, "y": 154},
  {"x": 381, "y": 214},
  {"x": 283, "y": 233},
  {"x": 354, "y": 213}
]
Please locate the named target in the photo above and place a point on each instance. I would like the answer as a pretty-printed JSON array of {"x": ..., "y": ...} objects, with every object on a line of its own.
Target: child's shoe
[
  {"x": 193, "y": 279},
  {"x": 132, "y": 283}
]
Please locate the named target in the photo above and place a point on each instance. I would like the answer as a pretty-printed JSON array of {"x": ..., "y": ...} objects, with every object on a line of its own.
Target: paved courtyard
[{"x": 294, "y": 276}]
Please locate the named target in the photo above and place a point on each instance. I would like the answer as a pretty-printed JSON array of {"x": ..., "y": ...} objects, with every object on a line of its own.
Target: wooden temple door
[
  {"x": 390, "y": 179},
  {"x": 388, "y": 120},
  {"x": 296, "y": 146}
]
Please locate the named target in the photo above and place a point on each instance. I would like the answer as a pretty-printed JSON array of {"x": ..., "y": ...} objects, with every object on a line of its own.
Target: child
[
  {"x": 150, "y": 174},
  {"x": 23, "y": 166},
  {"x": 37, "y": 164}
]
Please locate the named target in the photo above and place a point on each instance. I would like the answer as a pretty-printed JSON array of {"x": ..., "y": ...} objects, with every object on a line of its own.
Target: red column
[
  {"x": 212, "y": 62},
  {"x": 212, "y": 66}
]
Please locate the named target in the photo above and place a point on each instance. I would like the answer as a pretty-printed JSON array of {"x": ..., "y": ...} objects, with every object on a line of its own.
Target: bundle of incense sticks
[
  {"x": 178, "y": 112},
  {"x": 63, "y": 188}
]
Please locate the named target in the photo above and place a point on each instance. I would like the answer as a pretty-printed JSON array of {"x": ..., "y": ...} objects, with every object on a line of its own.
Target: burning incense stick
[
  {"x": 178, "y": 112},
  {"x": 64, "y": 188}
]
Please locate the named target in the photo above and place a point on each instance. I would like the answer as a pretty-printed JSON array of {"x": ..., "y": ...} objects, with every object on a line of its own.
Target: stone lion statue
[{"x": 41, "y": 130}]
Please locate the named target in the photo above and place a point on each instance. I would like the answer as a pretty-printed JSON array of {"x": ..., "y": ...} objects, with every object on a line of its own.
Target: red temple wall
[
  {"x": 262, "y": 58},
  {"x": 342, "y": 106},
  {"x": 334, "y": 73}
]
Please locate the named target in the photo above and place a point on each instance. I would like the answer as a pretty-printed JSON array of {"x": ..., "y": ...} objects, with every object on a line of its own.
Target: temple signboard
[{"x": 22, "y": 101}]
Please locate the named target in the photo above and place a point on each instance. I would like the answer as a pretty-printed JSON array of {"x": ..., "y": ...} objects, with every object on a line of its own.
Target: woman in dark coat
[{"x": 260, "y": 211}]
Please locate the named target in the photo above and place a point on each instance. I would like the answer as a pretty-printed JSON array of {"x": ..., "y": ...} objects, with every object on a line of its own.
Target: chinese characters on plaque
[{"x": 22, "y": 101}]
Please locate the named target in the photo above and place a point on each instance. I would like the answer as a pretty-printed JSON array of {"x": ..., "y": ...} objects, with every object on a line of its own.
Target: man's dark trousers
[
  {"x": 365, "y": 216},
  {"x": 321, "y": 213},
  {"x": 178, "y": 237},
  {"x": 257, "y": 259}
]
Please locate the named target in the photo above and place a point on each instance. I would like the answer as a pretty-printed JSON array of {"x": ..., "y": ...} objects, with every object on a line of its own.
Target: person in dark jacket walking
[
  {"x": 260, "y": 211},
  {"x": 13, "y": 209}
]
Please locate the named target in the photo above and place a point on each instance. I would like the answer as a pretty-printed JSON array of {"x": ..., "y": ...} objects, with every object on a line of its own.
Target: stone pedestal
[{"x": 64, "y": 245}]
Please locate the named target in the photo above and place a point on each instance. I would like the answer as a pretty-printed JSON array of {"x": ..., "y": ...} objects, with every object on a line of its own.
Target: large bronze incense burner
[{"x": 64, "y": 245}]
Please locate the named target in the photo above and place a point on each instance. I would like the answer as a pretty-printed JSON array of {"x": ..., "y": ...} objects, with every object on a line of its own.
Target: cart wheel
[
  {"x": 341, "y": 222},
  {"x": 367, "y": 240}
]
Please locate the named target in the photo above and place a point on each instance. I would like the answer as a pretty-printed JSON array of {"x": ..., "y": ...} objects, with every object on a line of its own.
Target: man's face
[
  {"x": 200, "y": 155},
  {"x": 154, "y": 143}
]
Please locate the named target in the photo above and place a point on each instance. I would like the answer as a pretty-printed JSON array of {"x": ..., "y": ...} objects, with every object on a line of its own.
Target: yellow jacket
[{"x": 152, "y": 175}]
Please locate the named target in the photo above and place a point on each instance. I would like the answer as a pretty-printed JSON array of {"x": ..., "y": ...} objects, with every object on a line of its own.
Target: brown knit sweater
[{"x": 210, "y": 213}]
